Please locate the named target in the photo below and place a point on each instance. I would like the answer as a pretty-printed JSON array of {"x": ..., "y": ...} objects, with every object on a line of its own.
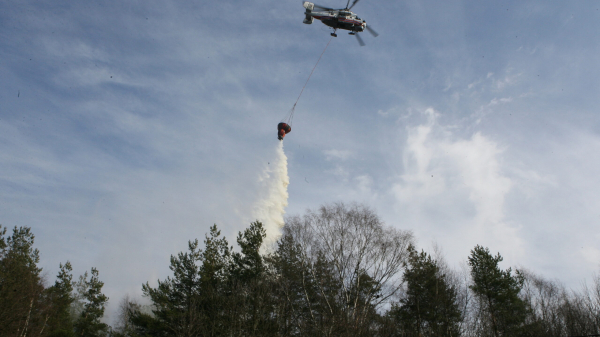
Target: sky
[{"x": 128, "y": 128}]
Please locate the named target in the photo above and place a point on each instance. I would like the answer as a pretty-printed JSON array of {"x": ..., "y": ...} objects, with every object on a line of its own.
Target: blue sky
[{"x": 127, "y": 128}]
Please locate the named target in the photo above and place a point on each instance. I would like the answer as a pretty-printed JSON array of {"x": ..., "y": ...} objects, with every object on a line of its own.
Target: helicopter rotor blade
[
  {"x": 347, "y": 3},
  {"x": 353, "y": 3},
  {"x": 372, "y": 31},
  {"x": 360, "y": 40},
  {"x": 319, "y": 7}
]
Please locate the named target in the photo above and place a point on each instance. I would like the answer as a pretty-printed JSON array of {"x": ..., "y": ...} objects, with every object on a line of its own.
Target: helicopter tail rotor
[{"x": 309, "y": 7}]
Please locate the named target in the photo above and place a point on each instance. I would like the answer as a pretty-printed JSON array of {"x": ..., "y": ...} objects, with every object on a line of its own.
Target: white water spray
[{"x": 273, "y": 198}]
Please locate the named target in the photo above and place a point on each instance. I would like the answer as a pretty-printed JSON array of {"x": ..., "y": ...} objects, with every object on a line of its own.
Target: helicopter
[{"x": 338, "y": 19}]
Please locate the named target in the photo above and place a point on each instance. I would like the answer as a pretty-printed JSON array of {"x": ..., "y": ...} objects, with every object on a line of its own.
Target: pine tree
[
  {"x": 430, "y": 307},
  {"x": 60, "y": 295},
  {"x": 251, "y": 299},
  {"x": 214, "y": 274},
  {"x": 498, "y": 293},
  {"x": 295, "y": 288},
  {"x": 88, "y": 323},
  {"x": 212, "y": 292},
  {"x": 175, "y": 299},
  {"x": 23, "y": 308}
]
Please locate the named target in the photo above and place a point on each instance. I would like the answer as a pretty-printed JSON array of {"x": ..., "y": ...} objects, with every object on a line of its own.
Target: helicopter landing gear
[
  {"x": 334, "y": 34},
  {"x": 352, "y": 33}
]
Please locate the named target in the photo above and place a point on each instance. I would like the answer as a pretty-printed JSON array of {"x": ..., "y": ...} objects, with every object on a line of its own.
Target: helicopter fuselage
[
  {"x": 341, "y": 20},
  {"x": 334, "y": 18}
]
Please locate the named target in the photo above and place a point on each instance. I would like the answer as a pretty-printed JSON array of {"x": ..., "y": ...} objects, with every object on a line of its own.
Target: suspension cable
[{"x": 291, "y": 113}]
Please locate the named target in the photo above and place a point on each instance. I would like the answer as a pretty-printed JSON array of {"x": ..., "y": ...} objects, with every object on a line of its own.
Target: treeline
[
  {"x": 336, "y": 271},
  {"x": 29, "y": 308}
]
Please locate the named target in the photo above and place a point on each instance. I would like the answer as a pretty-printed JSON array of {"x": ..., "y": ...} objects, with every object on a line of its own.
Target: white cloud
[
  {"x": 509, "y": 79},
  {"x": 341, "y": 172},
  {"x": 456, "y": 188},
  {"x": 531, "y": 183},
  {"x": 591, "y": 255},
  {"x": 364, "y": 185},
  {"x": 476, "y": 162},
  {"x": 496, "y": 101},
  {"x": 393, "y": 111},
  {"x": 335, "y": 154}
]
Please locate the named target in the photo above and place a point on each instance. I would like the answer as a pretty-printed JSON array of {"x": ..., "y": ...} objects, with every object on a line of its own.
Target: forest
[{"x": 335, "y": 271}]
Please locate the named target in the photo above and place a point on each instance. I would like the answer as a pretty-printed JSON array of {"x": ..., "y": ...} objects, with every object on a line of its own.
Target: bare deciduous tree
[{"x": 364, "y": 258}]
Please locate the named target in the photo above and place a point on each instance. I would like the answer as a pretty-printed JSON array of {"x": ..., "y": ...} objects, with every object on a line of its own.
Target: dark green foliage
[
  {"x": 193, "y": 300},
  {"x": 60, "y": 295},
  {"x": 335, "y": 272},
  {"x": 498, "y": 294},
  {"x": 23, "y": 307},
  {"x": 28, "y": 308},
  {"x": 176, "y": 299},
  {"x": 214, "y": 283},
  {"x": 212, "y": 292},
  {"x": 248, "y": 264},
  {"x": 250, "y": 304},
  {"x": 309, "y": 293},
  {"x": 292, "y": 276},
  {"x": 90, "y": 291},
  {"x": 430, "y": 306}
]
